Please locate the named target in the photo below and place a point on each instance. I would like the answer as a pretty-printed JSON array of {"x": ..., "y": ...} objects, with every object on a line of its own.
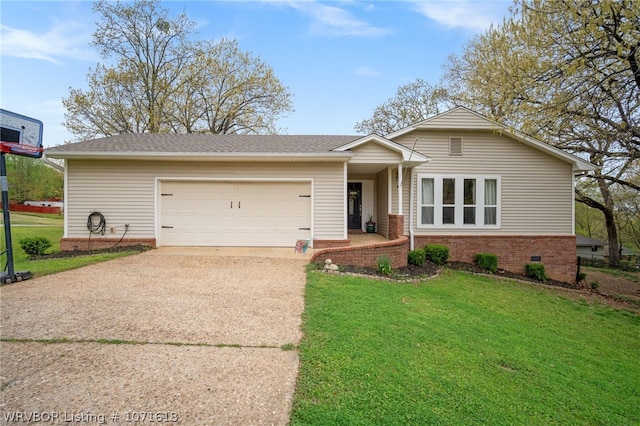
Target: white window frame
[{"x": 459, "y": 201}]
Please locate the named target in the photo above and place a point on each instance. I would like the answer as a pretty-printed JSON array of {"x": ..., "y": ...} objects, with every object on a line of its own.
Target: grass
[
  {"x": 51, "y": 227},
  {"x": 18, "y": 218},
  {"x": 463, "y": 350}
]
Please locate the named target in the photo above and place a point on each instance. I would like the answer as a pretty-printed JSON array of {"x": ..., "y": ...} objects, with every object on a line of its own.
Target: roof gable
[
  {"x": 408, "y": 155},
  {"x": 462, "y": 118}
]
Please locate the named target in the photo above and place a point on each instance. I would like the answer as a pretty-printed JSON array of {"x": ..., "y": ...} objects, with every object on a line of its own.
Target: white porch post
[{"x": 400, "y": 188}]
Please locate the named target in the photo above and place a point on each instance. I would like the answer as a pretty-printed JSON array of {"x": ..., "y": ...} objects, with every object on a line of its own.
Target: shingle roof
[
  {"x": 586, "y": 241},
  {"x": 206, "y": 143}
]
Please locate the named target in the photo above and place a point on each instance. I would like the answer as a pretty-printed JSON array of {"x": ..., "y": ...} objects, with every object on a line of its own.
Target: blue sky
[{"x": 339, "y": 59}]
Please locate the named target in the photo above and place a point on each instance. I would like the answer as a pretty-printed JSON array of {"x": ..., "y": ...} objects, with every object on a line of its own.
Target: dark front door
[{"x": 354, "y": 205}]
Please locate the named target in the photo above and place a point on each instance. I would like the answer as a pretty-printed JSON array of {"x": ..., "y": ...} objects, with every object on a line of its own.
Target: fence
[
  {"x": 618, "y": 281},
  {"x": 33, "y": 209}
]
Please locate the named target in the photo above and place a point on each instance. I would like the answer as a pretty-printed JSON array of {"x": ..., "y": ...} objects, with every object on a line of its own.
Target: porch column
[
  {"x": 396, "y": 226},
  {"x": 400, "y": 188}
]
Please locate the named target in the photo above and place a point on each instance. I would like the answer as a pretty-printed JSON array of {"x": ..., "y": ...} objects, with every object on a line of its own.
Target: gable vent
[{"x": 455, "y": 146}]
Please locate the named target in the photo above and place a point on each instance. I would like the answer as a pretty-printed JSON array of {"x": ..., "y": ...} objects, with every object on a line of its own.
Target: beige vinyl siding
[
  {"x": 125, "y": 191},
  {"x": 536, "y": 189},
  {"x": 458, "y": 119},
  {"x": 374, "y": 153}
]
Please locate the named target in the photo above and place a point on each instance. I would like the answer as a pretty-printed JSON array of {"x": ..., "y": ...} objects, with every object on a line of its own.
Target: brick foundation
[
  {"x": 368, "y": 255},
  {"x": 86, "y": 244},
  {"x": 396, "y": 226},
  {"x": 322, "y": 244},
  {"x": 558, "y": 253}
]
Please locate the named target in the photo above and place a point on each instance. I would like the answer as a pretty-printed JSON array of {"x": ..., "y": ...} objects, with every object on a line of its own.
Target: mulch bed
[
  {"x": 412, "y": 273},
  {"x": 76, "y": 253}
]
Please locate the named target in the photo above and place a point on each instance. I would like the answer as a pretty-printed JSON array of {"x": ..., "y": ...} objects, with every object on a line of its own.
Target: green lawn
[
  {"x": 51, "y": 227},
  {"x": 18, "y": 219},
  {"x": 463, "y": 350}
]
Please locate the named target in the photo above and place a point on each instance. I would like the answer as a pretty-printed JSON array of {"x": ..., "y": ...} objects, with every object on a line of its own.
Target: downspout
[
  {"x": 345, "y": 230},
  {"x": 573, "y": 204},
  {"x": 389, "y": 195},
  {"x": 400, "y": 182},
  {"x": 65, "y": 189},
  {"x": 411, "y": 197}
]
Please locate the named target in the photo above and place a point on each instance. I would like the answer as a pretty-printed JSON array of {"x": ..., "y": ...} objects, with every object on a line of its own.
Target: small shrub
[
  {"x": 595, "y": 286},
  {"x": 417, "y": 257},
  {"x": 384, "y": 265},
  {"x": 437, "y": 253},
  {"x": 35, "y": 246},
  {"x": 486, "y": 261},
  {"x": 581, "y": 276},
  {"x": 536, "y": 271}
]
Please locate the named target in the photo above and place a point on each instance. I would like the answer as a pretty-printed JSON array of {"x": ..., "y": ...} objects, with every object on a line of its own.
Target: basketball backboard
[{"x": 20, "y": 135}]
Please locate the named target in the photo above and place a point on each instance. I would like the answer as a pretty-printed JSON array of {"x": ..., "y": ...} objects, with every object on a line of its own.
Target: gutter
[
  {"x": 198, "y": 156},
  {"x": 53, "y": 164}
]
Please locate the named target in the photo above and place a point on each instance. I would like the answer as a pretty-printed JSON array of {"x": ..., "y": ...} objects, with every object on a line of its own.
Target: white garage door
[{"x": 270, "y": 214}]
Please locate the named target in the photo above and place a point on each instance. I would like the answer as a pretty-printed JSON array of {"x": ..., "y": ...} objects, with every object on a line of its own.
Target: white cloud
[
  {"x": 476, "y": 16},
  {"x": 335, "y": 21},
  {"x": 63, "y": 40},
  {"x": 367, "y": 72}
]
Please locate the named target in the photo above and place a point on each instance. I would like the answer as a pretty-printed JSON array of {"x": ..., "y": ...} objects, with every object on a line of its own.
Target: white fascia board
[
  {"x": 193, "y": 156},
  {"x": 407, "y": 154}
]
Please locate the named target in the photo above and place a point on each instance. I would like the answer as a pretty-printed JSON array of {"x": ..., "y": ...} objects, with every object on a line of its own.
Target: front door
[{"x": 354, "y": 205}]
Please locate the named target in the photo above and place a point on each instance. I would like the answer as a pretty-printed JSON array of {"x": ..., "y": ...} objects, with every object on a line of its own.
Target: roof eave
[
  {"x": 199, "y": 156},
  {"x": 407, "y": 154}
]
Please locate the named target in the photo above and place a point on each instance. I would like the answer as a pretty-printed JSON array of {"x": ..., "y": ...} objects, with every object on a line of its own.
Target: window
[
  {"x": 448, "y": 201},
  {"x": 490, "y": 201},
  {"x": 459, "y": 201},
  {"x": 469, "y": 202},
  {"x": 428, "y": 202}
]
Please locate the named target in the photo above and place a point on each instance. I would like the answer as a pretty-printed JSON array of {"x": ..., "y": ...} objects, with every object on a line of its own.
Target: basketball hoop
[
  {"x": 19, "y": 135},
  {"x": 21, "y": 149}
]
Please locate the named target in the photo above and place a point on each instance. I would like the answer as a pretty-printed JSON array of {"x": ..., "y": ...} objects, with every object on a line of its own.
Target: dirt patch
[{"x": 78, "y": 253}]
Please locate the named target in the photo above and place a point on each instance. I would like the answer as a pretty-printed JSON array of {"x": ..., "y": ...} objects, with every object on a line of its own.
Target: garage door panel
[{"x": 234, "y": 213}]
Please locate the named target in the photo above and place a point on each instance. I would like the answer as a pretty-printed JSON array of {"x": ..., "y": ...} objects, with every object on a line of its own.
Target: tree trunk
[{"x": 610, "y": 223}]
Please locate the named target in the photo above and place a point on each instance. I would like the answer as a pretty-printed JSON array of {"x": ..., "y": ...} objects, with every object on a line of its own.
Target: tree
[
  {"x": 412, "y": 103},
  {"x": 226, "y": 90},
  {"x": 627, "y": 204},
  {"x": 160, "y": 80},
  {"x": 566, "y": 72},
  {"x": 30, "y": 179}
]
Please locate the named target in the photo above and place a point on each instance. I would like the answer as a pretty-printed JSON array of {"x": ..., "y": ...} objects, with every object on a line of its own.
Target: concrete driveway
[{"x": 189, "y": 336}]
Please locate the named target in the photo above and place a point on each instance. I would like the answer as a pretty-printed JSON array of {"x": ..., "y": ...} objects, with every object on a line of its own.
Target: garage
[{"x": 227, "y": 214}]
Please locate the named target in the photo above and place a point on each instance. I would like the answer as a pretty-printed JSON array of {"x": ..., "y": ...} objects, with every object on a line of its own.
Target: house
[
  {"x": 590, "y": 248},
  {"x": 456, "y": 178}
]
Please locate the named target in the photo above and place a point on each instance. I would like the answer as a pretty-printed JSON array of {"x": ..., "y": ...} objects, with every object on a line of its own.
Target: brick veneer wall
[
  {"x": 396, "y": 226},
  {"x": 558, "y": 253},
  {"x": 368, "y": 255},
  {"x": 322, "y": 244},
  {"x": 86, "y": 244}
]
